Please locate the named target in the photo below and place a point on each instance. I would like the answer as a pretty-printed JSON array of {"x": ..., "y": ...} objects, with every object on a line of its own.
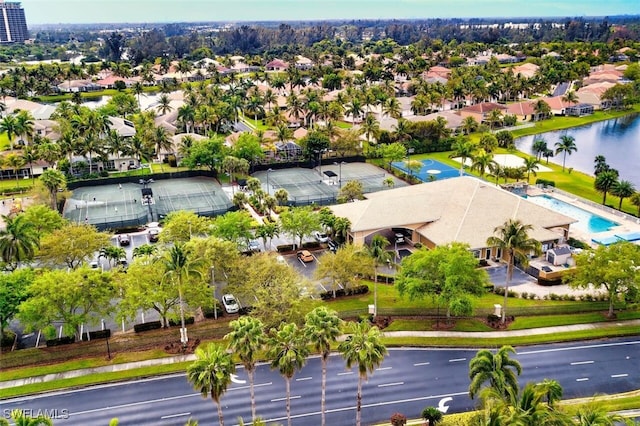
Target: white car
[
  {"x": 321, "y": 237},
  {"x": 230, "y": 304}
]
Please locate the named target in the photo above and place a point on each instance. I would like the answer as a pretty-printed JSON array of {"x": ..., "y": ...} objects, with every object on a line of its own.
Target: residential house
[{"x": 481, "y": 111}]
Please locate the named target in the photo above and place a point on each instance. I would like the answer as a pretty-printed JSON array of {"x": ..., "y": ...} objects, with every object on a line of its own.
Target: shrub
[
  {"x": 398, "y": 419},
  {"x": 146, "y": 326},
  {"x": 284, "y": 248},
  {"x": 310, "y": 245},
  {"x": 8, "y": 339},
  {"x": 554, "y": 296},
  {"x": 67, "y": 340},
  {"x": 545, "y": 182},
  {"x": 512, "y": 294},
  {"x": 100, "y": 334},
  {"x": 432, "y": 415},
  {"x": 176, "y": 322},
  {"x": 210, "y": 313},
  {"x": 524, "y": 295}
]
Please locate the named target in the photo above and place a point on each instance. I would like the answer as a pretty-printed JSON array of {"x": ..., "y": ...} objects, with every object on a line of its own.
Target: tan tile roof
[{"x": 463, "y": 209}]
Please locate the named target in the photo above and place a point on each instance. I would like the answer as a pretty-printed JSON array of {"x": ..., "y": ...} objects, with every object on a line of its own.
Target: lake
[{"x": 617, "y": 139}]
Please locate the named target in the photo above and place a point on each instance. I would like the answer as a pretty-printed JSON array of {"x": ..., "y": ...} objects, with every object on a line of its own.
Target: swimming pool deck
[{"x": 627, "y": 224}]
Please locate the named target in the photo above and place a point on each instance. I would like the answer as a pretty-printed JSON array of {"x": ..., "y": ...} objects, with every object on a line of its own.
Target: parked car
[
  {"x": 230, "y": 304},
  {"x": 154, "y": 235},
  {"x": 333, "y": 246},
  {"x": 399, "y": 238},
  {"x": 321, "y": 237},
  {"x": 281, "y": 259},
  {"x": 124, "y": 240},
  {"x": 253, "y": 245},
  {"x": 123, "y": 263},
  {"x": 305, "y": 256}
]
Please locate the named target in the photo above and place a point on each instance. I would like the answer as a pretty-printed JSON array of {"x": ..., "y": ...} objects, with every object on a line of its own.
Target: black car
[
  {"x": 154, "y": 235},
  {"x": 333, "y": 246}
]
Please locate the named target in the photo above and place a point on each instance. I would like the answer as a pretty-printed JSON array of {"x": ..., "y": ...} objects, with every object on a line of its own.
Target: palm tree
[
  {"x": 370, "y": 126},
  {"x": 594, "y": 414},
  {"x": 161, "y": 140},
  {"x": 246, "y": 339},
  {"x": 16, "y": 162},
  {"x": 623, "y": 189},
  {"x": 432, "y": 415},
  {"x": 531, "y": 166},
  {"x": 600, "y": 164},
  {"x": 469, "y": 125},
  {"x": 377, "y": 251},
  {"x": 145, "y": 250},
  {"x": 514, "y": 242},
  {"x": 53, "y": 180},
  {"x": 211, "y": 372},
  {"x": 497, "y": 370},
  {"x": 463, "y": 149},
  {"x": 180, "y": 267},
  {"x": 494, "y": 118},
  {"x": 363, "y": 347},
  {"x": 288, "y": 350},
  {"x": 566, "y": 145},
  {"x": 539, "y": 147},
  {"x": 30, "y": 154},
  {"x": 321, "y": 329},
  {"x": 138, "y": 89},
  {"x": 24, "y": 125},
  {"x": 164, "y": 104},
  {"x": 112, "y": 254},
  {"x": 18, "y": 241},
  {"x": 483, "y": 161},
  {"x": 635, "y": 200},
  {"x": 605, "y": 182},
  {"x": 9, "y": 126}
]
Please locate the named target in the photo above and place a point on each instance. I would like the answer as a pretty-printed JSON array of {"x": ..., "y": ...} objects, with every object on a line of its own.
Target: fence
[{"x": 598, "y": 206}]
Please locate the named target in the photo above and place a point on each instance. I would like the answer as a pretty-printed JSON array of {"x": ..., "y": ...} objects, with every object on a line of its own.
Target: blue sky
[{"x": 98, "y": 11}]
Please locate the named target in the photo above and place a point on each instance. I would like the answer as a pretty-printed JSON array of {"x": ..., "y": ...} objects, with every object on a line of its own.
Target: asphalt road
[{"x": 407, "y": 381}]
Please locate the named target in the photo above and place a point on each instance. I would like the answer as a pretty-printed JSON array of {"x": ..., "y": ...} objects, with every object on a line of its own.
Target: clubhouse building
[{"x": 462, "y": 209}]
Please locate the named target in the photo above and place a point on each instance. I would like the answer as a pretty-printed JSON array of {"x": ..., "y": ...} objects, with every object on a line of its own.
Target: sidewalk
[{"x": 183, "y": 358}]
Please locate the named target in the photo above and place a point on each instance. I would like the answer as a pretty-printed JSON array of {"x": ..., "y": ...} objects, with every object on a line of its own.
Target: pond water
[{"x": 617, "y": 139}]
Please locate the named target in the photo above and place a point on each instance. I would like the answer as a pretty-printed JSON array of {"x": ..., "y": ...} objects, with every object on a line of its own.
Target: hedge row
[
  {"x": 67, "y": 340},
  {"x": 360, "y": 289},
  {"x": 146, "y": 326},
  {"x": 100, "y": 334}
]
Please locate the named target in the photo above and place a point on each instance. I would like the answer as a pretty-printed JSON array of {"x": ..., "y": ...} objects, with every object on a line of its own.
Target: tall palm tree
[
  {"x": 513, "y": 240},
  {"x": 370, "y": 126},
  {"x": 600, "y": 164},
  {"x": 623, "y": 189},
  {"x": 179, "y": 267},
  {"x": 469, "y": 124},
  {"x": 138, "y": 89},
  {"x": 161, "y": 140},
  {"x": 363, "y": 347},
  {"x": 15, "y": 162},
  {"x": 211, "y": 372},
  {"x": 539, "y": 147},
  {"x": 377, "y": 250},
  {"x": 605, "y": 182},
  {"x": 246, "y": 339},
  {"x": 463, "y": 149},
  {"x": 24, "y": 125},
  {"x": 321, "y": 329},
  {"x": 497, "y": 370},
  {"x": 635, "y": 200},
  {"x": 164, "y": 104},
  {"x": 112, "y": 253},
  {"x": 18, "y": 241},
  {"x": 288, "y": 350},
  {"x": 566, "y": 145},
  {"x": 30, "y": 155}
]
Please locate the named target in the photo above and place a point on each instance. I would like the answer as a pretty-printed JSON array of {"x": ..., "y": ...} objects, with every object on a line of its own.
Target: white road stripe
[
  {"x": 457, "y": 359},
  {"x": 583, "y": 379},
  {"x": 391, "y": 384},
  {"x": 175, "y": 415},
  {"x": 302, "y": 379},
  {"x": 420, "y": 363},
  {"x": 283, "y": 399},
  {"x": 615, "y": 376},
  {"x": 345, "y": 373},
  {"x": 573, "y": 348},
  {"x": 582, "y": 362},
  {"x": 383, "y": 368}
]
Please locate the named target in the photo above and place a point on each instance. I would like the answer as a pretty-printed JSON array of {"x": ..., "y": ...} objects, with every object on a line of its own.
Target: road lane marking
[
  {"x": 391, "y": 384},
  {"x": 345, "y": 373},
  {"x": 421, "y": 363},
  {"x": 375, "y": 404},
  {"x": 582, "y": 362},
  {"x": 283, "y": 399},
  {"x": 302, "y": 379},
  {"x": 573, "y": 348},
  {"x": 383, "y": 368},
  {"x": 583, "y": 379},
  {"x": 457, "y": 359},
  {"x": 175, "y": 415},
  {"x": 615, "y": 376}
]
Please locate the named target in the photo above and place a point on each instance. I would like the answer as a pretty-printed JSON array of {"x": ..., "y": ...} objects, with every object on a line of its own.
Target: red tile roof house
[
  {"x": 481, "y": 111},
  {"x": 276, "y": 65},
  {"x": 557, "y": 105},
  {"x": 523, "y": 110}
]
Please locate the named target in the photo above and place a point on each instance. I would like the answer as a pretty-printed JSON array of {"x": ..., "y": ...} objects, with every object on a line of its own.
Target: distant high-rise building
[{"x": 13, "y": 24}]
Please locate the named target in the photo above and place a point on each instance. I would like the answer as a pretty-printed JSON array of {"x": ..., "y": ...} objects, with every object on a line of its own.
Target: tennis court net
[{"x": 190, "y": 195}]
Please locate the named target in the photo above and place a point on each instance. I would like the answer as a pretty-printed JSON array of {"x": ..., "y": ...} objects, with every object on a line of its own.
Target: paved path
[{"x": 182, "y": 358}]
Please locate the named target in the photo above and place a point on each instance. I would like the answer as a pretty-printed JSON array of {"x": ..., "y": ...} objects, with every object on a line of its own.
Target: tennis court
[
  {"x": 304, "y": 186},
  {"x": 431, "y": 170},
  {"x": 373, "y": 178},
  {"x": 121, "y": 205}
]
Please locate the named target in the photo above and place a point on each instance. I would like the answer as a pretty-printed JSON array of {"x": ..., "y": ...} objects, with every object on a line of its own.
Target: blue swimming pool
[
  {"x": 587, "y": 221},
  {"x": 431, "y": 170}
]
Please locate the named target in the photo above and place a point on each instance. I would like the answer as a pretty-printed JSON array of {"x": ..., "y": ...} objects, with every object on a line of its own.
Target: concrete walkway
[{"x": 183, "y": 358}]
